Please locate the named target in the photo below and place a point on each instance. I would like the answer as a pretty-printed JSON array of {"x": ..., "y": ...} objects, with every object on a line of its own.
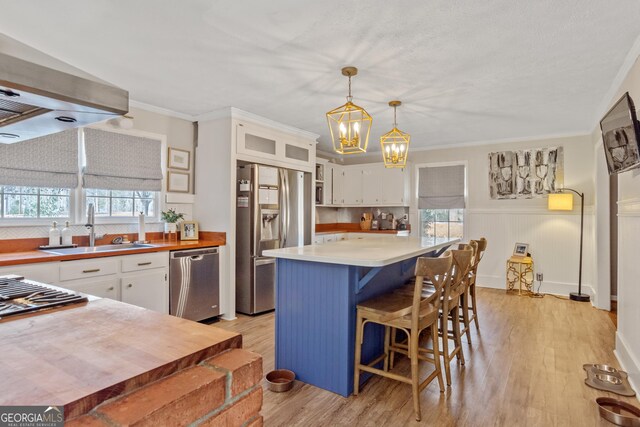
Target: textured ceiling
[{"x": 465, "y": 70}]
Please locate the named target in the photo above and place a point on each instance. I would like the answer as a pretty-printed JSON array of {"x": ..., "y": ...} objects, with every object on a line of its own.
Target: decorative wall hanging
[{"x": 525, "y": 174}]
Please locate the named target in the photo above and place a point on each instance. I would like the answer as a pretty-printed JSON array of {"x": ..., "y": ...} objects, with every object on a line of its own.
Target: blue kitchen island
[{"x": 317, "y": 290}]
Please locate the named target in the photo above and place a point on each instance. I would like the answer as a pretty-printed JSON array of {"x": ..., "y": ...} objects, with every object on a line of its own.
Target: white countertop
[{"x": 370, "y": 252}]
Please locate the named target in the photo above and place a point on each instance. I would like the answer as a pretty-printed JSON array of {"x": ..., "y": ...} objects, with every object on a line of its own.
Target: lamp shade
[{"x": 560, "y": 202}]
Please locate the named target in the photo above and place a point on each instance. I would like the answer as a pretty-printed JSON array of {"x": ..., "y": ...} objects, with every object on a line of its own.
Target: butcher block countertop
[
  {"x": 8, "y": 257},
  {"x": 79, "y": 356}
]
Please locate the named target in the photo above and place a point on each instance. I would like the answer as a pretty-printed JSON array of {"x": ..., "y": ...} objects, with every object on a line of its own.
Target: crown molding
[{"x": 160, "y": 110}]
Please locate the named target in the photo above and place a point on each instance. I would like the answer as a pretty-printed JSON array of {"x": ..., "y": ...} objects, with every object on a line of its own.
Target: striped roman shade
[
  {"x": 441, "y": 187},
  {"x": 115, "y": 161},
  {"x": 48, "y": 161}
]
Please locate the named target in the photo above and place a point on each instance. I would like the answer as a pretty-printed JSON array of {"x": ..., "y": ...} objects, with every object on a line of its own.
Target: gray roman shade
[
  {"x": 121, "y": 162},
  {"x": 47, "y": 161},
  {"x": 441, "y": 187}
]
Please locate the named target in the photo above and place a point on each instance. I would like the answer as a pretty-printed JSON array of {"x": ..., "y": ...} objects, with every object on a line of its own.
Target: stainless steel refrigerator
[{"x": 273, "y": 210}]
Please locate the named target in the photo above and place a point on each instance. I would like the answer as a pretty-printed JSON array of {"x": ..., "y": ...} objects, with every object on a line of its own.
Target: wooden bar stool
[
  {"x": 411, "y": 314},
  {"x": 464, "y": 298},
  {"x": 451, "y": 307},
  {"x": 473, "y": 275}
]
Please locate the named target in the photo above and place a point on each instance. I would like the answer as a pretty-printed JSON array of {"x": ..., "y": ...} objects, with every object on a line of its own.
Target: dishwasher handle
[{"x": 194, "y": 254}]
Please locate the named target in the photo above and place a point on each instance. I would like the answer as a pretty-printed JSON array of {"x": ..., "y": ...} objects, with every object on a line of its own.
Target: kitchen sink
[{"x": 98, "y": 249}]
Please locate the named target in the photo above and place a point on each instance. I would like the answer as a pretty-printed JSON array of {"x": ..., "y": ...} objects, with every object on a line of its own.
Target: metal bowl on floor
[
  {"x": 606, "y": 368},
  {"x": 609, "y": 379},
  {"x": 280, "y": 380},
  {"x": 618, "y": 412}
]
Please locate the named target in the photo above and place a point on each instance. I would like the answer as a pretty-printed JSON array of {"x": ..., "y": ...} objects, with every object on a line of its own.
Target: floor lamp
[{"x": 562, "y": 201}]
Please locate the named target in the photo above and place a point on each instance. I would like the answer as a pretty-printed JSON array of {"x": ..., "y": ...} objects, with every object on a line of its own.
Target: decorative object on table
[
  {"x": 563, "y": 201},
  {"x": 520, "y": 249},
  {"x": 365, "y": 221},
  {"x": 395, "y": 143},
  {"x": 520, "y": 275},
  {"x": 621, "y": 135},
  {"x": 188, "y": 230},
  {"x": 618, "y": 412},
  {"x": 349, "y": 124},
  {"x": 177, "y": 182},
  {"x": 608, "y": 378},
  {"x": 170, "y": 218},
  {"x": 179, "y": 159},
  {"x": 525, "y": 174},
  {"x": 280, "y": 380}
]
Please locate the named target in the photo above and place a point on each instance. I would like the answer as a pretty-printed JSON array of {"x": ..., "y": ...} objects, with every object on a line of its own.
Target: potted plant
[{"x": 170, "y": 218}]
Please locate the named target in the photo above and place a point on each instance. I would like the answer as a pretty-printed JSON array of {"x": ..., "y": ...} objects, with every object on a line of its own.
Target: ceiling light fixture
[
  {"x": 349, "y": 124},
  {"x": 395, "y": 143}
]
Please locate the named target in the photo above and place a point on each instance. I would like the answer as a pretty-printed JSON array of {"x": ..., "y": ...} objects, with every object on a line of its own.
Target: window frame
[
  {"x": 77, "y": 196},
  {"x": 465, "y": 211},
  {"x": 83, "y": 205}
]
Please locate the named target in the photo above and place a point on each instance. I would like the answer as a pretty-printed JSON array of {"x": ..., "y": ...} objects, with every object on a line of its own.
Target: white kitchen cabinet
[
  {"x": 138, "y": 279},
  {"x": 352, "y": 186},
  {"x": 318, "y": 239},
  {"x": 337, "y": 185},
  {"x": 372, "y": 181},
  {"x": 328, "y": 238},
  {"x": 149, "y": 290},
  {"x": 259, "y": 143},
  {"x": 109, "y": 288},
  {"x": 46, "y": 272},
  {"x": 394, "y": 185}
]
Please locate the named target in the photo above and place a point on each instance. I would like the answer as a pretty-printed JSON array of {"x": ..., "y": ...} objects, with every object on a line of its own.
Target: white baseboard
[
  {"x": 628, "y": 362},
  {"x": 555, "y": 288}
]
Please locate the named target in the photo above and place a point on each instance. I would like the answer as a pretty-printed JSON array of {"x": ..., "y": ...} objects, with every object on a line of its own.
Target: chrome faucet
[{"x": 91, "y": 219}]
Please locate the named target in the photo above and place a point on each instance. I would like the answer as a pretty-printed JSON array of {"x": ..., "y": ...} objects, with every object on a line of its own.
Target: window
[
  {"x": 121, "y": 204},
  {"x": 438, "y": 225},
  {"x": 34, "y": 202}
]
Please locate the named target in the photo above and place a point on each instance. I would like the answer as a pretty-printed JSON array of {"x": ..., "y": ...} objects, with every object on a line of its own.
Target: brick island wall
[{"x": 224, "y": 391}]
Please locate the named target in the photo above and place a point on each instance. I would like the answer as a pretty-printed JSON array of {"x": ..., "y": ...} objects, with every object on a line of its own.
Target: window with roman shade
[
  {"x": 115, "y": 161},
  {"x": 49, "y": 161},
  {"x": 441, "y": 187}
]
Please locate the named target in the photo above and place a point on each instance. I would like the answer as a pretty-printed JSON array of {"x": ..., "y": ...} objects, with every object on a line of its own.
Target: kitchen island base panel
[{"x": 316, "y": 317}]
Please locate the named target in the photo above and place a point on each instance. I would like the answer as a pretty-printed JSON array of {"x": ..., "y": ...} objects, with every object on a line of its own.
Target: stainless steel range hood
[{"x": 40, "y": 95}]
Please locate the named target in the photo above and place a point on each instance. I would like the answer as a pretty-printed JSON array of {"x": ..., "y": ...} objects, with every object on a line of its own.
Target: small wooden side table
[{"x": 520, "y": 275}]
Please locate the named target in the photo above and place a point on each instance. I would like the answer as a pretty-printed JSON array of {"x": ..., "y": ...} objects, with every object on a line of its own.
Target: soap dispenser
[
  {"x": 67, "y": 235},
  {"x": 54, "y": 235}
]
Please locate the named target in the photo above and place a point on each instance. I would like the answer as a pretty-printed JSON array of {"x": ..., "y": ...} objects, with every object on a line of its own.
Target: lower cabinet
[
  {"x": 140, "y": 280},
  {"x": 149, "y": 290}
]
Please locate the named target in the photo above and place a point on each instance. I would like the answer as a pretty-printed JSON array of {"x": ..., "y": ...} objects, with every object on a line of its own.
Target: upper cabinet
[
  {"x": 363, "y": 185},
  {"x": 259, "y": 143}
]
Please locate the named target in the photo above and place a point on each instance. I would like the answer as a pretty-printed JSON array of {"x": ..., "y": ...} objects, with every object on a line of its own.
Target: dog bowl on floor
[
  {"x": 610, "y": 379},
  {"x": 280, "y": 380},
  {"x": 618, "y": 412},
  {"x": 606, "y": 368}
]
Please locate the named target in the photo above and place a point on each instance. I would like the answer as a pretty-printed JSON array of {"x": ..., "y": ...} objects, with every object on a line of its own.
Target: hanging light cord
[
  {"x": 349, "y": 98},
  {"x": 395, "y": 124}
]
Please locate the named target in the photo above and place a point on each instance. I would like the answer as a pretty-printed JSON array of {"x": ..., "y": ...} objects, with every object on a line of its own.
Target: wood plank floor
[{"x": 524, "y": 368}]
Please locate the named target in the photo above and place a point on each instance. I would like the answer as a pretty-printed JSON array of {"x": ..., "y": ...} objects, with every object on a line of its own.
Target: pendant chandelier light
[
  {"x": 349, "y": 124},
  {"x": 395, "y": 143}
]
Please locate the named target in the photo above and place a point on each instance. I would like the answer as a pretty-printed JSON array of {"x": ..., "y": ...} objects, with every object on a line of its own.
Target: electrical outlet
[{"x": 539, "y": 277}]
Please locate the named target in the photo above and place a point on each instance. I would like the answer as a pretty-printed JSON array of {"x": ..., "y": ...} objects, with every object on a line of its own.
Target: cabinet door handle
[
  {"x": 129, "y": 285},
  {"x": 140, "y": 264},
  {"x": 111, "y": 288},
  {"x": 95, "y": 270}
]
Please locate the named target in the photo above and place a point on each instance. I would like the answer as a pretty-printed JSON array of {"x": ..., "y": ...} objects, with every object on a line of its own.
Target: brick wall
[{"x": 224, "y": 391}]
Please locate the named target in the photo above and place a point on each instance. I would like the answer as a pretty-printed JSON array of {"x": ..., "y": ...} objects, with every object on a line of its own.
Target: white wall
[{"x": 628, "y": 334}]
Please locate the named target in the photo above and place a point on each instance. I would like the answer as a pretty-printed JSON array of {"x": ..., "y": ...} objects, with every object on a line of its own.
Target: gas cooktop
[{"x": 19, "y": 296}]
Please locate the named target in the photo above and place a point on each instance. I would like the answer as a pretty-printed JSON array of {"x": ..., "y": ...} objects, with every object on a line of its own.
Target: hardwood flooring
[{"x": 524, "y": 368}]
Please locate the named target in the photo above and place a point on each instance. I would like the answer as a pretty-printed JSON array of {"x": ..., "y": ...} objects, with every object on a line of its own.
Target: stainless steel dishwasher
[{"x": 194, "y": 283}]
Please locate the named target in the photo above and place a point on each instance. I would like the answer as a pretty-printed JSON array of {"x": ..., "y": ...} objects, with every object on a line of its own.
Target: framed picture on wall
[
  {"x": 521, "y": 249},
  {"x": 177, "y": 182},
  {"x": 188, "y": 230},
  {"x": 179, "y": 159}
]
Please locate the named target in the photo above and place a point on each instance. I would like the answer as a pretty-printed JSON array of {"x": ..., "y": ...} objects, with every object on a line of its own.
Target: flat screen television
[{"x": 620, "y": 136}]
